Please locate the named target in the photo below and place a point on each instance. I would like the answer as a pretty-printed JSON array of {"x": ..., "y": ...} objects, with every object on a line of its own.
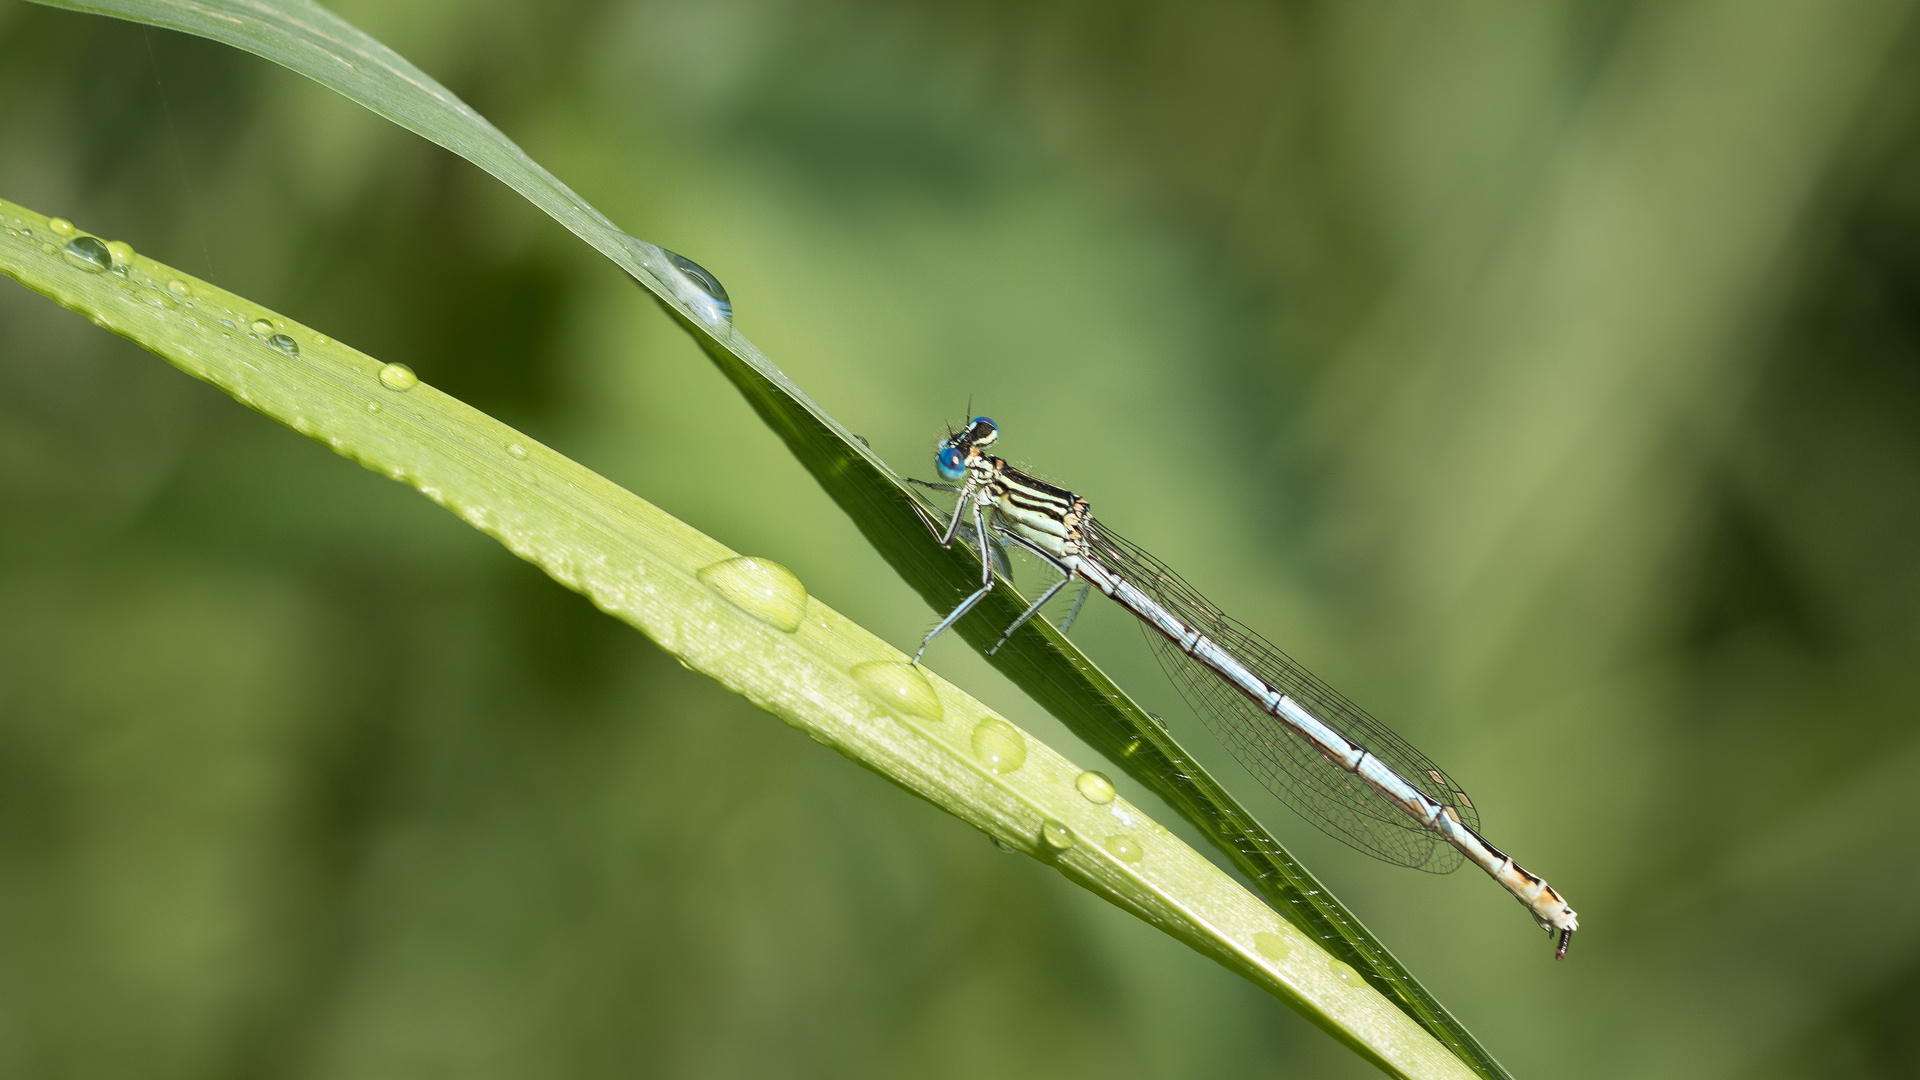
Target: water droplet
[
  {"x": 517, "y": 451},
  {"x": 901, "y": 687},
  {"x": 285, "y": 344},
  {"x": 719, "y": 305},
  {"x": 1272, "y": 945},
  {"x": 864, "y": 442},
  {"x": 1125, "y": 848},
  {"x": 89, "y": 253},
  {"x": 260, "y": 326},
  {"x": 998, "y": 745},
  {"x": 1095, "y": 786},
  {"x": 122, "y": 253},
  {"x": 398, "y": 377},
  {"x": 60, "y": 225},
  {"x": 1056, "y": 836},
  {"x": 760, "y": 587},
  {"x": 373, "y": 406},
  {"x": 1344, "y": 972},
  {"x": 179, "y": 288},
  {"x": 322, "y": 339}
]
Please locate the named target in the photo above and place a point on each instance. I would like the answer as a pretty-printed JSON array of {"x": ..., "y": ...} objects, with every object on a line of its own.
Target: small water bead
[
  {"x": 1095, "y": 787},
  {"x": 398, "y": 377},
  {"x": 1125, "y": 848},
  {"x": 1056, "y": 836},
  {"x": 322, "y": 339},
  {"x": 60, "y": 225},
  {"x": 1272, "y": 945},
  {"x": 179, "y": 288},
  {"x": 702, "y": 279},
  {"x": 261, "y": 327},
  {"x": 89, "y": 253},
  {"x": 901, "y": 686},
  {"x": 998, "y": 745},
  {"x": 122, "y": 253},
  {"x": 1345, "y": 973},
  {"x": 284, "y": 344},
  {"x": 373, "y": 406},
  {"x": 1003, "y": 845},
  {"x": 760, "y": 587},
  {"x": 517, "y": 451}
]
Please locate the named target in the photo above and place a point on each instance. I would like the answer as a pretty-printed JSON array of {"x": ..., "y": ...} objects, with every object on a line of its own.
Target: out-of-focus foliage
[{"x": 1544, "y": 374}]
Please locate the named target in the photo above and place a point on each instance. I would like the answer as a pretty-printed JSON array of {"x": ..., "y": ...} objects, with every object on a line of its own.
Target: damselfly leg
[{"x": 967, "y": 501}]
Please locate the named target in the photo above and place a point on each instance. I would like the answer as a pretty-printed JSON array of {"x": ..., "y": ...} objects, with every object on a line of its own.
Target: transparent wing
[{"x": 1290, "y": 766}]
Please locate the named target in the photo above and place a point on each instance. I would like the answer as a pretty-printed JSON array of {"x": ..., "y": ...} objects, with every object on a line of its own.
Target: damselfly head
[
  {"x": 952, "y": 453},
  {"x": 982, "y": 432}
]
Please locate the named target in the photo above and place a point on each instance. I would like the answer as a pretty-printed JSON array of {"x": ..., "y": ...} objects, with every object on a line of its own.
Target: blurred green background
[{"x": 1544, "y": 374}]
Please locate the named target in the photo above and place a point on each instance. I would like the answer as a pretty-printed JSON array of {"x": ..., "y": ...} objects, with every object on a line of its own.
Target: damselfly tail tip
[{"x": 1566, "y": 939}]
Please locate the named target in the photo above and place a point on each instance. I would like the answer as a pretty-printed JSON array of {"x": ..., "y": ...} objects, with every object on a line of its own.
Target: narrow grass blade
[
  {"x": 316, "y": 43},
  {"x": 747, "y": 623}
]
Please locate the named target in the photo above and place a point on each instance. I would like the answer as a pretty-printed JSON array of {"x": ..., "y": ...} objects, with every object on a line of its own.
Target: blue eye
[
  {"x": 951, "y": 463},
  {"x": 978, "y": 420}
]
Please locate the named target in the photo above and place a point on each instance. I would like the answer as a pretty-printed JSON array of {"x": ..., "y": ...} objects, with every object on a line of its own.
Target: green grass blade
[
  {"x": 746, "y": 623},
  {"x": 316, "y": 43}
]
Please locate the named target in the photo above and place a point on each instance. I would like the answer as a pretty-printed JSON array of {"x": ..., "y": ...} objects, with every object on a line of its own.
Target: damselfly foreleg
[{"x": 986, "y": 567}]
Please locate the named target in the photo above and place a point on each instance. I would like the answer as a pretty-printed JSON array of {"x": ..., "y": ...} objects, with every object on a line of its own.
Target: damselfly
[{"x": 1318, "y": 752}]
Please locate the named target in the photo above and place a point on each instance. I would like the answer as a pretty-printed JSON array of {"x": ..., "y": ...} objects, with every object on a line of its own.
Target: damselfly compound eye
[
  {"x": 951, "y": 463},
  {"x": 982, "y": 431}
]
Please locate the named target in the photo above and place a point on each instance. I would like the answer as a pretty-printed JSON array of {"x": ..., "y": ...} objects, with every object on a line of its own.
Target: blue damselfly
[{"x": 1318, "y": 752}]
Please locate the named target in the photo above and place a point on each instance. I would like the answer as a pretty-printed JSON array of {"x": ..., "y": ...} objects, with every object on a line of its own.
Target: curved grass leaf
[
  {"x": 747, "y": 623},
  {"x": 316, "y": 43}
]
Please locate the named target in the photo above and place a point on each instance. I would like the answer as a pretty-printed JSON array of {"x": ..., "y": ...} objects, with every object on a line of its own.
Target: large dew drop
[
  {"x": 998, "y": 745},
  {"x": 398, "y": 377},
  {"x": 1125, "y": 848},
  {"x": 1095, "y": 787},
  {"x": 719, "y": 305},
  {"x": 760, "y": 587},
  {"x": 1056, "y": 836},
  {"x": 89, "y": 253},
  {"x": 901, "y": 686},
  {"x": 284, "y": 344}
]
